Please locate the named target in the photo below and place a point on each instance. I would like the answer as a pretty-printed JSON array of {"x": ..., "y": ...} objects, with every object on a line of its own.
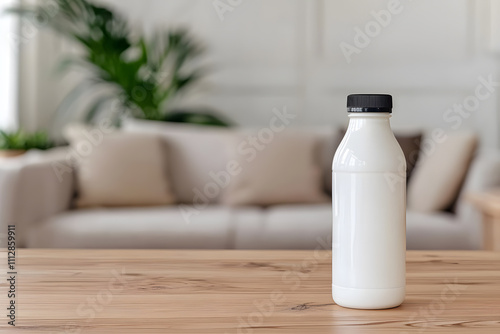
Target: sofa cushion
[
  {"x": 199, "y": 154},
  {"x": 438, "y": 230},
  {"x": 288, "y": 227},
  {"x": 217, "y": 227},
  {"x": 310, "y": 227},
  {"x": 154, "y": 227},
  {"x": 441, "y": 171},
  {"x": 285, "y": 169},
  {"x": 124, "y": 170},
  {"x": 196, "y": 153}
]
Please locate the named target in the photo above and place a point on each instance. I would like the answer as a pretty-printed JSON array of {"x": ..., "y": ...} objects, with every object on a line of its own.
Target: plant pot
[{"x": 11, "y": 153}]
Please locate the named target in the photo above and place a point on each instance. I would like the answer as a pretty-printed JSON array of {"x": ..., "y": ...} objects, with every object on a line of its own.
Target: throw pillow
[
  {"x": 197, "y": 153},
  {"x": 282, "y": 170},
  {"x": 123, "y": 170},
  {"x": 441, "y": 171},
  {"x": 410, "y": 144}
]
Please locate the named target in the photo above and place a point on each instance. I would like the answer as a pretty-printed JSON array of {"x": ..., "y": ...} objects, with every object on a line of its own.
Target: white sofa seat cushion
[
  {"x": 218, "y": 227},
  {"x": 310, "y": 227},
  {"x": 288, "y": 227},
  {"x": 159, "y": 227},
  {"x": 436, "y": 231}
]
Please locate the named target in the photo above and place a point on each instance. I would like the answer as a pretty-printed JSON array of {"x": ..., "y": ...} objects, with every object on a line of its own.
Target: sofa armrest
[
  {"x": 483, "y": 175},
  {"x": 33, "y": 187}
]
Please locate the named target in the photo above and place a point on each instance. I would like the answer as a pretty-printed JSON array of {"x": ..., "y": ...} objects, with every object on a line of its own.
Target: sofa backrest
[{"x": 195, "y": 152}]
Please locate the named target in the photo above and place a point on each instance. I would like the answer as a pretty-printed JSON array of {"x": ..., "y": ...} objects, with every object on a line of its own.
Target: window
[{"x": 8, "y": 67}]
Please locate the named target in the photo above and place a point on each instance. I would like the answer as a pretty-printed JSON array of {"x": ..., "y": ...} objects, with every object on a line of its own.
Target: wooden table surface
[{"x": 165, "y": 291}]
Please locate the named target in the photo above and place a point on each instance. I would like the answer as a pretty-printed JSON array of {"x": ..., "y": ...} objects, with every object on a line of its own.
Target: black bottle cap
[{"x": 369, "y": 103}]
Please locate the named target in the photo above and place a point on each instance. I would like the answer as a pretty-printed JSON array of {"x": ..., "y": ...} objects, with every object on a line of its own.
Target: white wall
[{"x": 273, "y": 53}]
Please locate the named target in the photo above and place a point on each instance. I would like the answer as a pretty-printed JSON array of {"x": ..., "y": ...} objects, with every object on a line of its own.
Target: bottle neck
[{"x": 357, "y": 121}]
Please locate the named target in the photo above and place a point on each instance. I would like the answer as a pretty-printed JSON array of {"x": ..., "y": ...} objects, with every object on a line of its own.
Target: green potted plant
[
  {"x": 144, "y": 73},
  {"x": 16, "y": 143}
]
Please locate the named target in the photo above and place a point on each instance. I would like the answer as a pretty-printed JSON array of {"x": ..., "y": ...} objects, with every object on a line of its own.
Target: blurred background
[
  {"x": 236, "y": 64},
  {"x": 261, "y": 54}
]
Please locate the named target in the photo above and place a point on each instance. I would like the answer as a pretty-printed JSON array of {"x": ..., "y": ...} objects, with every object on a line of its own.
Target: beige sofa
[{"x": 39, "y": 202}]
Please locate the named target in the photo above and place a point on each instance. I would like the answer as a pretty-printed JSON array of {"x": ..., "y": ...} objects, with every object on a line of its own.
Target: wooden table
[
  {"x": 489, "y": 204},
  {"x": 162, "y": 291}
]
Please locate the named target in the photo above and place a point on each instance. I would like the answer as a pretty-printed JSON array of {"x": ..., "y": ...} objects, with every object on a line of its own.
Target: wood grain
[{"x": 168, "y": 291}]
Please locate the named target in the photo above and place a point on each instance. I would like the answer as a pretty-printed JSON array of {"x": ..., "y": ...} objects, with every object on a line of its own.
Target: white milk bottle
[{"x": 369, "y": 209}]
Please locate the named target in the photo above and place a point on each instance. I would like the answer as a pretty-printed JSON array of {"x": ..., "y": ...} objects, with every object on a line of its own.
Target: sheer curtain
[{"x": 9, "y": 38}]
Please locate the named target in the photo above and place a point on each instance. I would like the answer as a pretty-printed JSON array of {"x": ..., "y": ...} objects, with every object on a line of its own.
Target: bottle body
[{"x": 369, "y": 215}]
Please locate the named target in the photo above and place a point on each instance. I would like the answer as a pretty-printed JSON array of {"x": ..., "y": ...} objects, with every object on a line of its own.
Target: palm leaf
[
  {"x": 95, "y": 108},
  {"x": 75, "y": 94},
  {"x": 106, "y": 40}
]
